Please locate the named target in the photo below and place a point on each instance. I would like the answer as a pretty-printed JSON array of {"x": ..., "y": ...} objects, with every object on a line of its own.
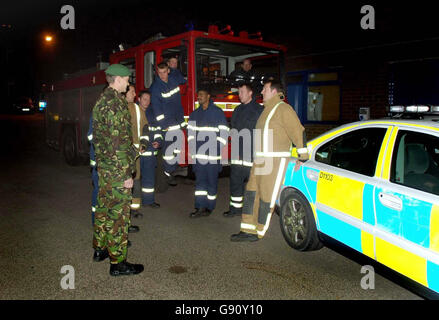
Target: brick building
[{"x": 327, "y": 89}]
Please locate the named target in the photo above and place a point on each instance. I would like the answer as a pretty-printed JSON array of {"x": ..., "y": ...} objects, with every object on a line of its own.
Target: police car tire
[
  {"x": 311, "y": 240},
  {"x": 70, "y": 148}
]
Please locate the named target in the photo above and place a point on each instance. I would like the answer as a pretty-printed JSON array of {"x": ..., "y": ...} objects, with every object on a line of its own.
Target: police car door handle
[{"x": 390, "y": 201}]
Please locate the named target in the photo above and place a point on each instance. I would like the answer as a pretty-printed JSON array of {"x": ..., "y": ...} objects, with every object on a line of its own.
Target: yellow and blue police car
[{"x": 373, "y": 186}]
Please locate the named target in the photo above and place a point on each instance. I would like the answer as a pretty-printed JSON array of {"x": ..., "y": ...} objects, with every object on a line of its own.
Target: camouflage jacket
[{"x": 112, "y": 137}]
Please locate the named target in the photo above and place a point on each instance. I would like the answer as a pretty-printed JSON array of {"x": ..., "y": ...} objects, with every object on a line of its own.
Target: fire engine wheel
[
  {"x": 297, "y": 223},
  {"x": 70, "y": 148}
]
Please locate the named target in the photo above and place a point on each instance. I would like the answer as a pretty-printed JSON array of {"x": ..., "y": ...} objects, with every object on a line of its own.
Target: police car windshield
[{"x": 218, "y": 65}]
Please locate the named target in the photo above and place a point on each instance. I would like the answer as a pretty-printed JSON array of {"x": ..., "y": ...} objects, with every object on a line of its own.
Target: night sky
[{"x": 100, "y": 26}]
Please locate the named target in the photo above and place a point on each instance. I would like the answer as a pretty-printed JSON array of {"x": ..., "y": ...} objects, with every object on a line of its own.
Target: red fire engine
[{"x": 205, "y": 58}]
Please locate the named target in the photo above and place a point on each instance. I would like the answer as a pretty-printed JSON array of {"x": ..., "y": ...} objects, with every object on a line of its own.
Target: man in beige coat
[
  {"x": 277, "y": 129},
  {"x": 138, "y": 121}
]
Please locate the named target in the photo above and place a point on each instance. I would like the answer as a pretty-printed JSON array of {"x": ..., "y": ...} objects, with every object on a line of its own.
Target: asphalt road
[{"x": 45, "y": 224}]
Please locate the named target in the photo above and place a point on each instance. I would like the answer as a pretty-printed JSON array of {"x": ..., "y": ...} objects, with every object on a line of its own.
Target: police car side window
[
  {"x": 415, "y": 161},
  {"x": 356, "y": 151}
]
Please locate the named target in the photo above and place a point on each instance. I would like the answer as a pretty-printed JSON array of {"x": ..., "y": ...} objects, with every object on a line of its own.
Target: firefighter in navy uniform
[
  {"x": 168, "y": 111},
  {"x": 280, "y": 128},
  {"x": 243, "y": 75},
  {"x": 244, "y": 117},
  {"x": 149, "y": 143},
  {"x": 207, "y": 126}
]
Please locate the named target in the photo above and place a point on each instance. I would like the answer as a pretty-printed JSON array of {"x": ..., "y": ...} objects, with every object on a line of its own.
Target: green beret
[{"x": 118, "y": 70}]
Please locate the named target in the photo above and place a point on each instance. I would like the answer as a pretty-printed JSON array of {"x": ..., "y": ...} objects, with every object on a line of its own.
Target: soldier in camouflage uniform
[{"x": 115, "y": 158}]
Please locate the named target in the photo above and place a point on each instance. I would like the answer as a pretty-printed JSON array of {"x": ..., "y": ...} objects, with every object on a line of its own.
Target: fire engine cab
[{"x": 204, "y": 58}]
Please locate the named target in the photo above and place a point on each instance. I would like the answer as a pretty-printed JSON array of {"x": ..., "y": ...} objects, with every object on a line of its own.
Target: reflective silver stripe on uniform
[
  {"x": 183, "y": 124},
  {"x": 209, "y": 197},
  {"x": 190, "y": 138},
  {"x": 236, "y": 205},
  {"x": 273, "y": 196},
  {"x": 223, "y": 141},
  {"x": 160, "y": 117},
  {"x": 221, "y": 127},
  {"x": 211, "y": 129},
  {"x": 148, "y": 153},
  {"x": 176, "y": 151},
  {"x": 156, "y": 136},
  {"x": 201, "y": 193},
  {"x": 93, "y": 209},
  {"x": 148, "y": 190},
  {"x": 136, "y": 145},
  {"x": 172, "y": 128},
  {"x": 236, "y": 198},
  {"x": 135, "y": 206},
  {"x": 265, "y": 137},
  {"x": 274, "y": 154},
  {"x": 144, "y": 137},
  {"x": 205, "y": 157},
  {"x": 167, "y": 173},
  {"x": 90, "y": 137},
  {"x": 171, "y": 93},
  {"x": 92, "y": 163},
  {"x": 168, "y": 157},
  {"x": 138, "y": 119},
  {"x": 248, "y": 226},
  {"x": 242, "y": 163}
]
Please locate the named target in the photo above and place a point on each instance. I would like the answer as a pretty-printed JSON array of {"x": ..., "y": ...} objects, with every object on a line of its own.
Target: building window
[{"x": 315, "y": 95}]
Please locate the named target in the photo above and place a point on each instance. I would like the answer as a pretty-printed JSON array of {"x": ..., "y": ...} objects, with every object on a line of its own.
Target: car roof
[{"x": 432, "y": 122}]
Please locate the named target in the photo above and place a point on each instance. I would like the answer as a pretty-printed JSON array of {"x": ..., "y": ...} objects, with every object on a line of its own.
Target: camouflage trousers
[{"x": 112, "y": 219}]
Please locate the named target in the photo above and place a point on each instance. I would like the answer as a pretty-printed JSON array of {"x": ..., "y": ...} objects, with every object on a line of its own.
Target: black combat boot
[
  {"x": 125, "y": 269},
  {"x": 137, "y": 215},
  {"x": 100, "y": 255},
  {"x": 231, "y": 213},
  {"x": 206, "y": 213},
  {"x": 244, "y": 236},
  {"x": 133, "y": 229},
  {"x": 197, "y": 213},
  {"x": 154, "y": 205}
]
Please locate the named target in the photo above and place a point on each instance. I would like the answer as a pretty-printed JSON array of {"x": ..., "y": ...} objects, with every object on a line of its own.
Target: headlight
[{"x": 397, "y": 109}]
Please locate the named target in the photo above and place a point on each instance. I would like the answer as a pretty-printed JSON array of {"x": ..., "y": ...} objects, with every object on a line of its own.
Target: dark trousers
[
  {"x": 239, "y": 176},
  {"x": 206, "y": 185},
  {"x": 147, "y": 168},
  {"x": 171, "y": 155}
]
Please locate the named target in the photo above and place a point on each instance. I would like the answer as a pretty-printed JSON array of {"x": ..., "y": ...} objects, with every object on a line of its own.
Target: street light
[{"x": 48, "y": 38}]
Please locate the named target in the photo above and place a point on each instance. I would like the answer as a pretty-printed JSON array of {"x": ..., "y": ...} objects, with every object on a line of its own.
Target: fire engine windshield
[{"x": 222, "y": 66}]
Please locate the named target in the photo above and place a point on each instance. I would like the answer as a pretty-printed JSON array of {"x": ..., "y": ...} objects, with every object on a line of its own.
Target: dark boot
[
  {"x": 100, "y": 255},
  {"x": 197, "y": 213},
  {"x": 206, "y": 213},
  {"x": 172, "y": 181},
  {"x": 125, "y": 269},
  {"x": 137, "y": 215},
  {"x": 244, "y": 237},
  {"x": 133, "y": 229},
  {"x": 230, "y": 214}
]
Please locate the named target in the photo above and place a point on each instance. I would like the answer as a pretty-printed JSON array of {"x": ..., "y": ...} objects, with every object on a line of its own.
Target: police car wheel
[
  {"x": 297, "y": 223},
  {"x": 69, "y": 148}
]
